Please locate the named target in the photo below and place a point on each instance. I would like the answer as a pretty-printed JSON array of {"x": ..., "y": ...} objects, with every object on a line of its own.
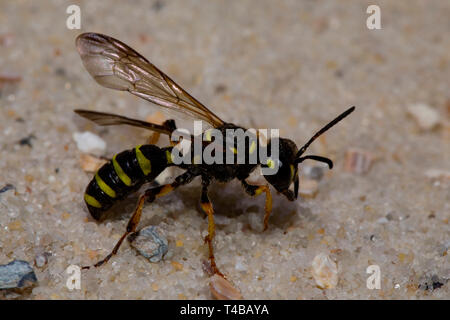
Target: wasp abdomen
[{"x": 124, "y": 174}]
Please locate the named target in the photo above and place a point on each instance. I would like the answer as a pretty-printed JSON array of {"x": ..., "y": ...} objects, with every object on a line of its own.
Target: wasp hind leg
[{"x": 149, "y": 195}]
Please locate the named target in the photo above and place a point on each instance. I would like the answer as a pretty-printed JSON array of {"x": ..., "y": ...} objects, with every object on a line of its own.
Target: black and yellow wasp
[{"x": 115, "y": 65}]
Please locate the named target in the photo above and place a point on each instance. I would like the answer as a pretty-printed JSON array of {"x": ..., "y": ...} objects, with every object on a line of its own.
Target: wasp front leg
[
  {"x": 208, "y": 209},
  {"x": 254, "y": 190}
]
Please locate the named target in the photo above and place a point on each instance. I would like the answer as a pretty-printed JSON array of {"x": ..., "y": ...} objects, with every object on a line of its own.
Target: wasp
[{"x": 115, "y": 65}]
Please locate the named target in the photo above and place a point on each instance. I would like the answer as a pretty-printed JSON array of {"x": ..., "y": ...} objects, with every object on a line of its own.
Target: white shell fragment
[
  {"x": 150, "y": 242},
  {"x": 324, "y": 271},
  {"x": 358, "y": 161},
  {"x": 222, "y": 289},
  {"x": 91, "y": 164},
  {"x": 88, "y": 142},
  {"x": 438, "y": 174},
  {"x": 16, "y": 274},
  {"x": 425, "y": 116}
]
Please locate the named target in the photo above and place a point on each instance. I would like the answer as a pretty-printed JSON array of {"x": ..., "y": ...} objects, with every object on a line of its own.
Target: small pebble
[
  {"x": 150, "y": 242},
  {"x": 88, "y": 142},
  {"x": 358, "y": 161},
  {"x": 438, "y": 174},
  {"x": 40, "y": 260},
  {"x": 9, "y": 78},
  {"x": 432, "y": 282},
  {"x": 7, "y": 187},
  {"x": 17, "y": 274},
  {"x": 91, "y": 164},
  {"x": 6, "y": 39},
  {"x": 324, "y": 271},
  {"x": 27, "y": 141},
  {"x": 222, "y": 289},
  {"x": 308, "y": 188},
  {"x": 425, "y": 116}
]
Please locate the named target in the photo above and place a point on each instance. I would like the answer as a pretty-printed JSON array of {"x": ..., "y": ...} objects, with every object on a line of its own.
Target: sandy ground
[{"x": 292, "y": 65}]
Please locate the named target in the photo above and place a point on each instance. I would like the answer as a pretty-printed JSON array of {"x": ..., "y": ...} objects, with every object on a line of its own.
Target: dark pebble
[
  {"x": 27, "y": 141},
  {"x": 7, "y": 187},
  {"x": 17, "y": 274}
]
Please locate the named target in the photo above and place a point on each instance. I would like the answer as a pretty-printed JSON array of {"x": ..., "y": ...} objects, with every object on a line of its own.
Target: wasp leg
[
  {"x": 149, "y": 195},
  {"x": 256, "y": 191},
  {"x": 169, "y": 124},
  {"x": 208, "y": 209}
]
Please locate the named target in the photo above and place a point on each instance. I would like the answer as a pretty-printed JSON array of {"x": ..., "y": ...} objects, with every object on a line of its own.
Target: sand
[{"x": 292, "y": 65}]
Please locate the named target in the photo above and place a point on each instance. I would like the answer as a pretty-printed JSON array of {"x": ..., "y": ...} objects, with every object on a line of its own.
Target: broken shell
[
  {"x": 91, "y": 164},
  {"x": 88, "y": 142},
  {"x": 222, "y": 289},
  {"x": 437, "y": 174},
  {"x": 425, "y": 116},
  {"x": 358, "y": 161},
  {"x": 324, "y": 271}
]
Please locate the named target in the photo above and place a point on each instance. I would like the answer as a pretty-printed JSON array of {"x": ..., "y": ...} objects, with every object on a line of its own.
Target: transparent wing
[
  {"x": 115, "y": 65},
  {"x": 110, "y": 119}
]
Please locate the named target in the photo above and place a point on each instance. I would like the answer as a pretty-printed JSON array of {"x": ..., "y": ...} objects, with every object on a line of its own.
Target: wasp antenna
[
  {"x": 317, "y": 158},
  {"x": 321, "y": 131}
]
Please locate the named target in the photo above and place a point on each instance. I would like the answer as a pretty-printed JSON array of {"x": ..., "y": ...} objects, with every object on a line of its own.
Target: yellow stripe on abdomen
[
  {"x": 144, "y": 163},
  {"x": 120, "y": 173},
  {"x": 105, "y": 188},
  {"x": 90, "y": 200}
]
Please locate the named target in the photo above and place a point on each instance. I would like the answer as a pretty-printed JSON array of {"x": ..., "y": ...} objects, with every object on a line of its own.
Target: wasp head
[{"x": 289, "y": 157}]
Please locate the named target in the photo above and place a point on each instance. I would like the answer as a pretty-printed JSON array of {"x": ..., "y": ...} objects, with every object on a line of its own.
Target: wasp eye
[{"x": 270, "y": 163}]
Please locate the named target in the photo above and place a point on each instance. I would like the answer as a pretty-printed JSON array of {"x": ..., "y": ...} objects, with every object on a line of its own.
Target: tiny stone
[
  {"x": 89, "y": 143},
  {"x": 425, "y": 116},
  {"x": 432, "y": 282},
  {"x": 324, "y": 271},
  {"x": 150, "y": 242},
  {"x": 7, "y": 187},
  {"x": 17, "y": 274},
  {"x": 255, "y": 221},
  {"x": 222, "y": 289},
  {"x": 382, "y": 220},
  {"x": 40, "y": 260}
]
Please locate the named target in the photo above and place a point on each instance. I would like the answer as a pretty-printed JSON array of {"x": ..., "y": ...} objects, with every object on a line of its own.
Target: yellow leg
[
  {"x": 208, "y": 209},
  {"x": 256, "y": 191}
]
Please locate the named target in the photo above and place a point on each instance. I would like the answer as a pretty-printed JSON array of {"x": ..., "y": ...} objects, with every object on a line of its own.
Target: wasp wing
[
  {"x": 115, "y": 65},
  {"x": 110, "y": 119}
]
